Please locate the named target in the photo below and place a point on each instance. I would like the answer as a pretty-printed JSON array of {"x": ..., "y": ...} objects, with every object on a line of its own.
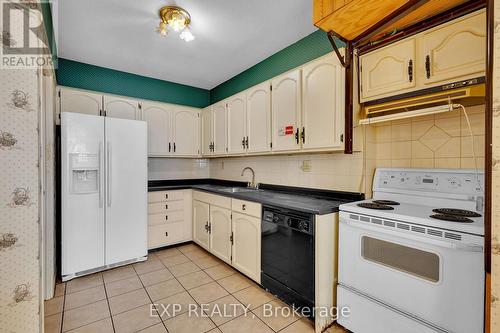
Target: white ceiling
[{"x": 231, "y": 36}]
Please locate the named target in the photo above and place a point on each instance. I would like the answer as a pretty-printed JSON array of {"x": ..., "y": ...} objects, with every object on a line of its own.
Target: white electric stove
[{"x": 411, "y": 259}]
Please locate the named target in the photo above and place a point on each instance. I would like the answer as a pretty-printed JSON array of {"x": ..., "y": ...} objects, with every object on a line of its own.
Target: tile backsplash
[
  {"x": 177, "y": 168},
  {"x": 334, "y": 171}
]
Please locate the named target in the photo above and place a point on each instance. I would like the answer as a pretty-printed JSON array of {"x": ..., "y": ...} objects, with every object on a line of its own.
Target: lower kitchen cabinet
[
  {"x": 230, "y": 230},
  {"x": 169, "y": 218},
  {"x": 246, "y": 245},
  {"x": 201, "y": 217},
  {"x": 220, "y": 233}
]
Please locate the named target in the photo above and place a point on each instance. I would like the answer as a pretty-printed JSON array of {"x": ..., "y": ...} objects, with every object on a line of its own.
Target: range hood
[{"x": 424, "y": 104}]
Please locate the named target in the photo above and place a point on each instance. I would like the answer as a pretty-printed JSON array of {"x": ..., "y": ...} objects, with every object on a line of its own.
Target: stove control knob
[{"x": 454, "y": 182}]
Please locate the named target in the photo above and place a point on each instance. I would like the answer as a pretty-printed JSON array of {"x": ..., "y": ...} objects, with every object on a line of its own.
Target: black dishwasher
[{"x": 288, "y": 255}]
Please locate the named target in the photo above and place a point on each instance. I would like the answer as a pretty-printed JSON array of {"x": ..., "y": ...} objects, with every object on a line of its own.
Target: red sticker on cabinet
[{"x": 289, "y": 130}]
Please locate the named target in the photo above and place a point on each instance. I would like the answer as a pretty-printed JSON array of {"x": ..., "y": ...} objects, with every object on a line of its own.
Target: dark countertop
[{"x": 306, "y": 200}]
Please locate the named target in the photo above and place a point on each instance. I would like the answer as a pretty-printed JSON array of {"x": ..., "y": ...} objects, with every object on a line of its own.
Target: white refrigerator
[{"x": 104, "y": 193}]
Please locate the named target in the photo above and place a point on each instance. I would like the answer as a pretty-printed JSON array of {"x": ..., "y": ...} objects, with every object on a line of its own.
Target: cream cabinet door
[
  {"x": 286, "y": 111},
  {"x": 117, "y": 107},
  {"x": 246, "y": 245},
  {"x": 220, "y": 128},
  {"x": 159, "y": 119},
  {"x": 201, "y": 217},
  {"x": 259, "y": 118},
  {"x": 80, "y": 101},
  {"x": 455, "y": 50},
  {"x": 220, "y": 233},
  {"x": 323, "y": 104},
  {"x": 186, "y": 132},
  {"x": 207, "y": 131},
  {"x": 236, "y": 124},
  {"x": 388, "y": 71}
]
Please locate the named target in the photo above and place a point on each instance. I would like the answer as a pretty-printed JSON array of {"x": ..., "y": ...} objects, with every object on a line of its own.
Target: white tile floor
[{"x": 120, "y": 300}]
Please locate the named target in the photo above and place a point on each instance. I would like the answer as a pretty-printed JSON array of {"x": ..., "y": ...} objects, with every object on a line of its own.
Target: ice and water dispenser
[{"x": 84, "y": 171}]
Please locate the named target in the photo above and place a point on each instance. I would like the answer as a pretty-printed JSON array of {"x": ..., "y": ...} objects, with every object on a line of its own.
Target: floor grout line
[{"x": 109, "y": 308}]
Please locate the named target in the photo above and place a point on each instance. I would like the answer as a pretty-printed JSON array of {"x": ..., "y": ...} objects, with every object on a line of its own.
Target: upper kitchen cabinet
[
  {"x": 236, "y": 124},
  {"x": 79, "y": 101},
  {"x": 172, "y": 130},
  {"x": 323, "y": 104},
  {"x": 219, "y": 120},
  {"x": 207, "y": 131},
  {"x": 186, "y": 131},
  {"x": 455, "y": 50},
  {"x": 258, "y": 119},
  {"x": 389, "y": 70},
  {"x": 447, "y": 53},
  {"x": 159, "y": 119},
  {"x": 286, "y": 111},
  {"x": 118, "y": 107}
]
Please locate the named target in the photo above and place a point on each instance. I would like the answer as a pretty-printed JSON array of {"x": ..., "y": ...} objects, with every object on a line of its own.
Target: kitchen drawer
[
  {"x": 162, "y": 235},
  {"x": 165, "y": 218},
  {"x": 246, "y": 207},
  {"x": 212, "y": 199},
  {"x": 165, "y": 196},
  {"x": 165, "y": 207}
]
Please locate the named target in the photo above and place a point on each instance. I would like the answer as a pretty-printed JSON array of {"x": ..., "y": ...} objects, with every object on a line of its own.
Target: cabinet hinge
[
  {"x": 59, "y": 93},
  {"x": 271, "y": 145},
  {"x": 271, "y": 88},
  {"x": 140, "y": 106},
  {"x": 231, "y": 238},
  {"x": 341, "y": 137},
  {"x": 226, "y": 150}
]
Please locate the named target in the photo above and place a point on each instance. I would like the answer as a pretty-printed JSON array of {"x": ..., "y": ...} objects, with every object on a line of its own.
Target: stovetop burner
[
  {"x": 371, "y": 205},
  {"x": 386, "y": 202},
  {"x": 456, "y": 212},
  {"x": 451, "y": 218}
]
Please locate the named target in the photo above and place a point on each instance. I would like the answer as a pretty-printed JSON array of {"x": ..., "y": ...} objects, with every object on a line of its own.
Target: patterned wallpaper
[
  {"x": 495, "y": 242},
  {"x": 19, "y": 201},
  {"x": 19, "y": 227}
]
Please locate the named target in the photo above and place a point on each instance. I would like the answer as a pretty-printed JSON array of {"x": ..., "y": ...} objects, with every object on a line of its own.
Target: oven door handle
[{"x": 415, "y": 237}]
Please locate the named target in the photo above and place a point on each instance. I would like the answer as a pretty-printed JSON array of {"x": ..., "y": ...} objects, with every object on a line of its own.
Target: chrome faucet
[{"x": 252, "y": 184}]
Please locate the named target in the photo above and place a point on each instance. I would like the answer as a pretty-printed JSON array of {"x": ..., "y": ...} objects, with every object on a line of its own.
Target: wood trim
[
  {"x": 391, "y": 18},
  {"x": 490, "y": 22},
  {"x": 365, "y": 46},
  {"x": 349, "y": 89}
]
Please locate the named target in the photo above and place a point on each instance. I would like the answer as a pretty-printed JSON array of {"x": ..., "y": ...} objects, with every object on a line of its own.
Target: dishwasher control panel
[{"x": 302, "y": 222}]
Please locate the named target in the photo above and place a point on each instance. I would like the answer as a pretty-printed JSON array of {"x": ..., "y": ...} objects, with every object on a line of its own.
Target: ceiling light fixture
[{"x": 176, "y": 19}]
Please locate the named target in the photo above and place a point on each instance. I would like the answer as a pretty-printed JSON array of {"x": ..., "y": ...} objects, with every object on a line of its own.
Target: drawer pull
[
  {"x": 243, "y": 207},
  {"x": 166, "y": 195},
  {"x": 166, "y": 233},
  {"x": 166, "y": 217},
  {"x": 166, "y": 207}
]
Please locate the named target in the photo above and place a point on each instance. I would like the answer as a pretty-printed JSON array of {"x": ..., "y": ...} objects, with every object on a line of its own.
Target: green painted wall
[
  {"x": 306, "y": 49},
  {"x": 84, "y": 76}
]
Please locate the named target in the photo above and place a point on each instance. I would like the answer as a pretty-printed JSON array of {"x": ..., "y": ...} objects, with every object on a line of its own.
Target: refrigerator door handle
[
  {"x": 101, "y": 190},
  {"x": 108, "y": 175}
]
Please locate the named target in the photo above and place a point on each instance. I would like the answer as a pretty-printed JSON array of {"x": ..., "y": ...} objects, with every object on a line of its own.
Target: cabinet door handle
[
  {"x": 166, "y": 207},
  {"x": 174, "y": 147},
  {"x": 243, "y": 142},
  {"x": 231, "y": 238},
  {"x": 297, "y": 135},
  {"x": 243, "y": 207},
  {"x": 428, "y": 66},
  {"x": 246, "y": 142},
  {"x": 410, "y": 70},
  {"x": 166, "y": 195},
  {"x": 169, "y": 147},
  {"x": 166, "y": 233},
  {"x": 303, "y": 135},
  {"x": 166, "y": 217}
]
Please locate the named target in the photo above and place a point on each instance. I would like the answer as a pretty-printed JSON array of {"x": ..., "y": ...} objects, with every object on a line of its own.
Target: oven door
[{"x": 433, "y": 280}]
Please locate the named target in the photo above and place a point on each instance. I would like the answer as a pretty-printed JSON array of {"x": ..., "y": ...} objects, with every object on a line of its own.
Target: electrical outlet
[{"x": 306, "y": 166}]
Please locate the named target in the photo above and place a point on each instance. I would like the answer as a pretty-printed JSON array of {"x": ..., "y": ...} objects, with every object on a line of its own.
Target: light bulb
[
  {"x": 162, "y": 29},
  {"x": 177, "y": 21},
  {"x": 186, "y": 35}
]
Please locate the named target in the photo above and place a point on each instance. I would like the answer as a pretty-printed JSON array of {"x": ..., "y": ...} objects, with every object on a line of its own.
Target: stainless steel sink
[{"x": 239, "y": 189}]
